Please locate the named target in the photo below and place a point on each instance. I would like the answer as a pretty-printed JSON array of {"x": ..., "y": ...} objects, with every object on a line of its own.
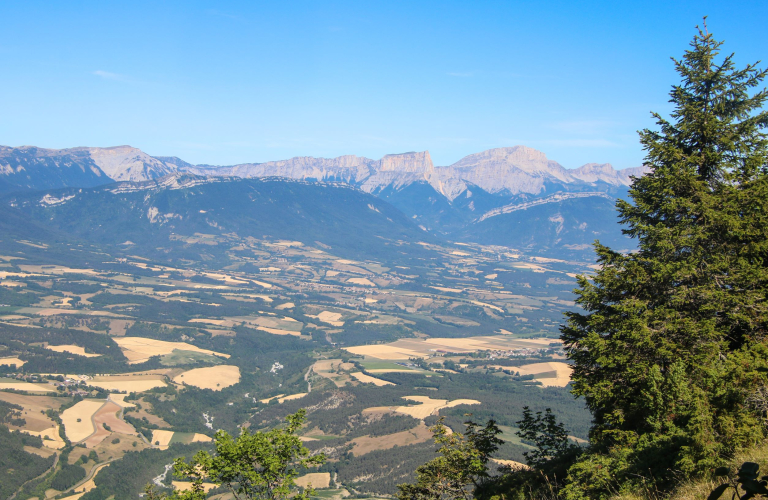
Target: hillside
[
  {"x": 187, "y": 216},
  {"x": 191, "y": 304},
  {"x": 450, "y": 201},
  {"x": 33, "y": 168},
  {"x": 564, "y": 225}
]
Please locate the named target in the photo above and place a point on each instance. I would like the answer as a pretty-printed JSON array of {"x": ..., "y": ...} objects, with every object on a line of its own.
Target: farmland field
[
  {"x": 77, "y": 420},
  {"x": 128, "y": 384},
  {"x": 367, "y": 379},
  {"x": 176, "y": 351},
  {"x": 214, "y": 377},
  {"x": 72, "y": 349},
  {"x": 106, "y": 418},
  {"x": 426, "y": 407},
  {"x": 138, "y": 349},
  {"x": 12, "y": 362},
  {"x": 314, "y": 479}
]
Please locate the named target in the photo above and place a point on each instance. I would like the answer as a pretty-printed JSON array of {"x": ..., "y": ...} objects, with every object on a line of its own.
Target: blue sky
[{"x": 230, "y": 82}]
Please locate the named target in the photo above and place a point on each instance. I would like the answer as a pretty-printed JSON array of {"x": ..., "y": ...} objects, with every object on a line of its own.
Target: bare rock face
[
  {"x": 29, "y": 167},
  {"x": 124, "y": 163},
  {"x": 518, "y": 158},
  {"x": 415, "y": 163},
  {"x": 504, "y": 171},
  {"x": 595, "y": 172},
  {"x": 514, "y": 170},
  {"x": 369, "y": 175},
  {"x": 521, "y": 170},
  {"x": 38, "y": 168},
  {"x": 350, "y": 169}
]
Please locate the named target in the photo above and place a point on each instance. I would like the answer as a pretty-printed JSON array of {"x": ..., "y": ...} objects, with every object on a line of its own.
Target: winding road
[{"x": 47, "y": 471}]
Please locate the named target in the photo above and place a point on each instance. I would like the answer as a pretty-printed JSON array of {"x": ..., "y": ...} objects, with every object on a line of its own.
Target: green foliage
[
  {"x": 461, "y": 467},
  {"x": 549, "y": 438},
  {"x": 11, "y": 297},
  {"x": 40, "y": 360},
  {"x": 67, "y": 476},
  {"x": 379, "y": 472},
  {"x": 16, "y": 465},
  {"x": 746, "y": 479},
  {"x": 124, "y": 479},
  {"x": 260, "y": 465},
  {"x": 336, "y": 215},
  {"x": 672, "y": 343}
]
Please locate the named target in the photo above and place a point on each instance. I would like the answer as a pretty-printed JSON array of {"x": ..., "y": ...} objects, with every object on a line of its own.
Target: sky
[{"x": 231, "y": 82}]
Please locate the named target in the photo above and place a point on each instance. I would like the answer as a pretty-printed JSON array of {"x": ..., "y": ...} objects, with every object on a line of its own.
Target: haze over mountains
[
  {"x": 515, "y": 170},
  {"x": 508, "y": 196}
]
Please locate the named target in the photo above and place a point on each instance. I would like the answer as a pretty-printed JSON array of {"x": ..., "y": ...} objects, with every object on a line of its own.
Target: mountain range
[
  {"x": 506, "y": 196},
  {"x": 512, "y": 171}
]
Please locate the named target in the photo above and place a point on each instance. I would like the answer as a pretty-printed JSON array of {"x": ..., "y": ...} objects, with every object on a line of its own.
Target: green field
[
  {"x": 383, "y": 365},
  {"x": 323, "y": 437},
  {"x": 181, "y": 357},
  {"x": 508, "y": 435},
  {"x": 182, "y": 437}
]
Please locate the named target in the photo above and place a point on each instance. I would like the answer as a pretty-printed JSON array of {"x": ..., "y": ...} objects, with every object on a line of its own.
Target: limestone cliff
[{"x": 503, "y": 171}]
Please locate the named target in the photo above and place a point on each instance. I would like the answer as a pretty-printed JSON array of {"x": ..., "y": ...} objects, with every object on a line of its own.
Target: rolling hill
[
  {"x": 190, "y": 215},
  {"x": 457, "y": 202}
]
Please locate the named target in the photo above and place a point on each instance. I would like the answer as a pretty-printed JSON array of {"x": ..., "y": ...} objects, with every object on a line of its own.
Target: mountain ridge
[
  {"x": 488, "y": 197},
  {"x": 517, "y": 170},
  {"x": 513, "y": 170},
  {"x": 170, "y": 214}
]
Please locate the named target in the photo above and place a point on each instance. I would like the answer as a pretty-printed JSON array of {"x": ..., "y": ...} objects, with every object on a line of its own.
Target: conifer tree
[{"x": 671, "y": 351}]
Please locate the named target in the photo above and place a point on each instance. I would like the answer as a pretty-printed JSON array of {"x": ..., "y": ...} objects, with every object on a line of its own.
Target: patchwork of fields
[{"x": 128, "y": 354}]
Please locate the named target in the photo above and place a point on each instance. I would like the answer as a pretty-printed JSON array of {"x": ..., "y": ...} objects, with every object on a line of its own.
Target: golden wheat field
[
  {"x": 12, "y": 361},
  {"x": 72, "y": 349},
  {"x": 510, "y": 463},
  {"x": 314, "y": 479},
  {"x": 292, "y": 396},
  {"x": 367, "y": 379},
  {"x": 361, "y": 281},
  {"x": 140, "y": 349},
  {"x": 161, "y": 438},
  {"x": 282, "y": 398},
  {"x": 367, "y": 444},
  {"x": 384, "y": 352},
  {"x": 562, "y": 370},
  {"x": 213, "y": 377},
  {"x": 122, "y": 383},
  {"x": 187, "y": 486},
  {"x": 77, "y": 420},
  {"x": 427, "y": 406},
  {"x": 410, "y": 348},
  {"x": 19, "y": 385},
  {"x": 267, "y": 400},
  {"x": 329, "y": 317},
  {"x": 278, "y": 331}
]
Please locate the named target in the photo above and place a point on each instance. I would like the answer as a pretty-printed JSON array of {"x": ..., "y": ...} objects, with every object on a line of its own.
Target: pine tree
[
  {"x": 461, "y": 468},
  {"x": 671, "y": 350}
]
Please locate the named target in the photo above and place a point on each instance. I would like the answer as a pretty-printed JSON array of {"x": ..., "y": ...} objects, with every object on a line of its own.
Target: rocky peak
[
  {"x": 604, "y": 172},
  {"x": 417, "y": 163},
  {"x": 125, "y": 163},
  {"x": 515, "y": 158}
]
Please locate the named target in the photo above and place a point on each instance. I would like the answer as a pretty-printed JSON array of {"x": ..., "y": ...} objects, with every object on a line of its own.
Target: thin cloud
[
  {"x": 583, "y": 143},
  {"x": 583, "y": 127},
  {"x": 106, "y": 75}
]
